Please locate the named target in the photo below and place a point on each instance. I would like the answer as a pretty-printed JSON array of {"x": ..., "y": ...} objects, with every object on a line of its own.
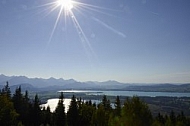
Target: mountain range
[
  {"x": 56, "y": 84},
  {"x": 40, "y": 84}
]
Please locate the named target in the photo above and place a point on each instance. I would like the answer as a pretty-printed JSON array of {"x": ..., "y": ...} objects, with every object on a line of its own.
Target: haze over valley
[{"x": 40, "y": 84}]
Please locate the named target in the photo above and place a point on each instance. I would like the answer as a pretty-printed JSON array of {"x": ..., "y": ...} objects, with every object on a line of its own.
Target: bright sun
[{"x": 66, "y": 4}]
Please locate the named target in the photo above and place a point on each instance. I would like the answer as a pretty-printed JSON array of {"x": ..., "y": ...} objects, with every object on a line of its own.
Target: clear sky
[{"x": 131, "y": 41}]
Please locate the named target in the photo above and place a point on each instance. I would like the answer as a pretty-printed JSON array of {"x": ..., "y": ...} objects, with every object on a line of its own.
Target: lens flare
[
  {"x": 69, "y": 10},
  {"x": 66, "y": 4}
]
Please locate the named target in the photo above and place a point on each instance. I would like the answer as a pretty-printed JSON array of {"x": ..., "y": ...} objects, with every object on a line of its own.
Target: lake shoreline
[{"x": 162, "y": 104}]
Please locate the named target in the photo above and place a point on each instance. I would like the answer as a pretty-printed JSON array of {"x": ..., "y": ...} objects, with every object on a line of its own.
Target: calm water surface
[
  {"x": 53, "y": 102},
  {"x": 128, "y": 93}
]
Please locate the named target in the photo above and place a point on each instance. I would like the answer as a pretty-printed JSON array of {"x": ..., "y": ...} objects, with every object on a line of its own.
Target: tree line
[{"x": 18, "y": 109}]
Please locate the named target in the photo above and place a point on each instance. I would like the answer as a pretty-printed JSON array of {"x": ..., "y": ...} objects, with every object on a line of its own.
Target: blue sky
[{"x": 131, "y": 41}]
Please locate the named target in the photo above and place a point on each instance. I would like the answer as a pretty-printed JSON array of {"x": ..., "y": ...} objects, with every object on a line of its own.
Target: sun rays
[
  {"x": 66, "y": 10},
  {"x": 66, "y": 4}
]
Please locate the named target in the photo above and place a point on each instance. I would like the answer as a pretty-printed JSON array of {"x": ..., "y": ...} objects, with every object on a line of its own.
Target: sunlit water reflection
[{"x": 52, "y": 103}]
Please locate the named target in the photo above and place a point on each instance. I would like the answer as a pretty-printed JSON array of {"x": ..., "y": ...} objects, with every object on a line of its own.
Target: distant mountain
[
  {"x": 36, "y": 82},
  {"x": 40, "y": 84},
  {"x": 3, "y": 78},
  {"x": 53, "y": 83},
  {"x": 24, "y": 87}
]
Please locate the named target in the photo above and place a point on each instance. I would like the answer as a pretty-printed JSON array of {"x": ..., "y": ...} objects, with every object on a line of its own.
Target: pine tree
[
  {"x": 181, "y": 118},
  {"x": 26, "y": 109},
  {"x": 100, "y": 117},
  {"x": 106, "y": 103},
  {"x": 117, "y": 106},
  {"x": 6, "y": 91},
  {"x": 73, "y": 114},
  {"x": 48, "y": 117},
  {"x": 36, "y": 111},
  {"x": 18, "y": 103},
  {"x": 136, "y": 113},
  {"x": 60, "y": 117},
  {"x": 8, "y": 115},
  {"x": 173, "y": 117},
  {"x": 85, "y": 113}
]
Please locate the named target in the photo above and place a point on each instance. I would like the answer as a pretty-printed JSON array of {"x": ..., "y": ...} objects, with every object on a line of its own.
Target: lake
[
  {"x": 127, "y": 93},
  {"x": 53, "y": 102}
]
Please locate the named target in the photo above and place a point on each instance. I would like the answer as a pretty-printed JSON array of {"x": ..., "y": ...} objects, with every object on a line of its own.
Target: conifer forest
[{"x": 17, "y": 109}]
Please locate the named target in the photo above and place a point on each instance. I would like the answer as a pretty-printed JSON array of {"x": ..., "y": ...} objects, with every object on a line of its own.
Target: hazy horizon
[{"x": 111, "y": 80}]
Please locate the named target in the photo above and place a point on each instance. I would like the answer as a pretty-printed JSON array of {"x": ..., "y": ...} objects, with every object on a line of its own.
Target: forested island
[{"x": 19, "y": 109}]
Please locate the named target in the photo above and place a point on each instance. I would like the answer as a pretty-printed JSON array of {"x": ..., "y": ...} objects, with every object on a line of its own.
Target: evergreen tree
[
  {"x": 100, "y": 117},
  {"x": 106, "y": 103},
  {"x": 73, "y": 114},
  {"x": 22, "y": 106},
  {"x": 181, "y": 119},
  {"x": 114, "y": 120},
  {"x": 117, "y": 106},
  {"x": 60, "y": 117},
  {"x": 26, "y": 109},
  {"x": 85, "y": 113},
  {"x": 26, "y": 98},
  {"x": 19, "y": 103},
  {"x": 173, "y": 118},
  {"x": 8, "y": 115},
  {"x": 136, "y": 113},
  {"x": 6, "y": 90},
  {"x": 46, "y": 116},
  {"x": 160, "y": 119},
  {"x": 36, "y": 111}
]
